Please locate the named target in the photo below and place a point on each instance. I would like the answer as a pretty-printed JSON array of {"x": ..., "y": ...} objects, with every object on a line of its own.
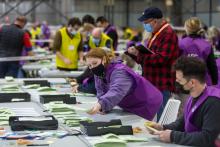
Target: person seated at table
[
  {"x": 117, "y": 84},
  {"x": 199, "y": 126}
]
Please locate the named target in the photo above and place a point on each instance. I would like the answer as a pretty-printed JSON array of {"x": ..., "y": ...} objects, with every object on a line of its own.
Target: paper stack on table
[
  {"x": 9, "y": 79},
  {"x": 110, "y": 140},
  {"x": 66, "y": 113},
  {"x": 10, "y": 87},
  {"x": 83, "y": 94},
  {"x": 5, "y": 113},
  {"x": 32, "y": 86},
  {"x": 45, "y": 89}
]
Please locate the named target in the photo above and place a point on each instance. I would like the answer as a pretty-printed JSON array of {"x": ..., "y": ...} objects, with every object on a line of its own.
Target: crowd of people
[{"x": 170, "y": 64}]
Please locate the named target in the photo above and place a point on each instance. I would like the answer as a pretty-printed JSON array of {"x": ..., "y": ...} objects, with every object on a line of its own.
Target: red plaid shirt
[{"x": 157, "y": 68}]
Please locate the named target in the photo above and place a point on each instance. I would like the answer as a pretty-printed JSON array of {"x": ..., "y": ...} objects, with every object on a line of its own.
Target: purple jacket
[
  {"x": 110, "y": 30},
  {"x": 190, "y": 110},
  {"x": 196, "y": 47},
  {"x": 130, "y": 91},
  {"x": 218, "y": 65}
]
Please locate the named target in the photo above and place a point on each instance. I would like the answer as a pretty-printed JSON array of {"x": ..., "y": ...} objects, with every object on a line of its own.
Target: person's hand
[
  {"x": 132, "y": 50},
  {"x": 164, "y": 136},
  {"x": 95, "y": 109},
  {"x": 67, "y": 61},
  {"x": 75, "y": 88},
  {"x": 155, "y": 126}
]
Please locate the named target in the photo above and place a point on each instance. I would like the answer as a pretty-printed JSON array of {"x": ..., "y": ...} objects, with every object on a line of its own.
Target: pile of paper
[
  {"x": 9, "y": 79},
  {"x": 45, "y": 89},
  {"x": 83, "y": 94},
  {"x": 5, "y": 113},
  {"x": 32, "y": 86},
  {"x": 110, "y": 140},
  {"x": 65, "y": 113},
  {"x": 10, "y": 88}
]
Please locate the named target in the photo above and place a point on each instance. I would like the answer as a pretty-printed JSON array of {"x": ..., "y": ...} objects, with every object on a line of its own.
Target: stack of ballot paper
[
  {"x": 83, "y": 94},
  {"x": 66, "y": 113},
  {"x": 32, "y": 86},
  {"x": 110, "y": 140},
  {"x": 45, "y": 89},
  {"x": 5, "y": 113},
  {"x": 10, "y": 87},
  {"x": 9, "y": 79}
]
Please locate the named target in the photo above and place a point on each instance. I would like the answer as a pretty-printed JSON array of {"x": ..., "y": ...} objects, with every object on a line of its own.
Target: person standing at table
[
  {"x": 117, "y": 84},
  {"x": 108, "y": 29},
  {"x": 199, "y": 125},
  {"x": 195, "y": 45},
  {"x": 12, "y": 41},
  {"x": 163, "y": 44},
  {"x": 68, "y": 46}
]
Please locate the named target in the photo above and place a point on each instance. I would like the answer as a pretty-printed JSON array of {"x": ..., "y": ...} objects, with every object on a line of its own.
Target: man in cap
[{"x": 163, "y": 44}]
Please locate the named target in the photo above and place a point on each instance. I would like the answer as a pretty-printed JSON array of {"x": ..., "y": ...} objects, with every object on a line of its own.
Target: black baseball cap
[{"x": 151, "y": 12}]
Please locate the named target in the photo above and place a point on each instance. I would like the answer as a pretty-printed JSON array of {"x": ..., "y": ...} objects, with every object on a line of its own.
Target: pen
[{"x": 37, "y": 144}]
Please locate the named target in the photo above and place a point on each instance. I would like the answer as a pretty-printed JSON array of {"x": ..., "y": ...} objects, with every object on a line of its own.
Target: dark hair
[
  {"x": 101, "y": 19},
  {"x": 191, "y": 67},
  {"x": 88, "y": 19},
  {"x": 22, "y": 19},
  {"x": 74, "y": 21}
]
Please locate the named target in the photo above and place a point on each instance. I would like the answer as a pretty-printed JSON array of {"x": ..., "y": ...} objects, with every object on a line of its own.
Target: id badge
[{"x": 71, "y": 47}]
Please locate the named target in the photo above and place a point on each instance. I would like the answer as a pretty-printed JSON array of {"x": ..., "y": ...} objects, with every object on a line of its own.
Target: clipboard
[{"x": 143, "y": 49}]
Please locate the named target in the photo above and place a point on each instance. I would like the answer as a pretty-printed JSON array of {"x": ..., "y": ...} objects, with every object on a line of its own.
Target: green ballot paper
[{"x": 110, "y": 143}]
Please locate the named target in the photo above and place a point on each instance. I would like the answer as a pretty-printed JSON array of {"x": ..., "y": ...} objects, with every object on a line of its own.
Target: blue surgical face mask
[
  {"x": 148, "y": 27},
  {"x": 73, "y": 32},
  {"x": 96, "y": 41}
]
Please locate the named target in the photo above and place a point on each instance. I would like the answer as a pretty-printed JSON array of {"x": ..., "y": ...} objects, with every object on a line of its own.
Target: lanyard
[{"x": 156, "y": 34}]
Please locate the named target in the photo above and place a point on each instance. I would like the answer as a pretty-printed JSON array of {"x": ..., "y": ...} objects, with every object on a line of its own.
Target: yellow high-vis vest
[
  {"x": 69, "y": 49},
  {"x": 104, "y": 39},
  {"x": 34, "y": 33}
]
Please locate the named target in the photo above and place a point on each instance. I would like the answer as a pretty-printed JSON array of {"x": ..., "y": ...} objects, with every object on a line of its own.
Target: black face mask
[
  {"x": 99, "y": 70},
  {"x": 180, "y": 88}
]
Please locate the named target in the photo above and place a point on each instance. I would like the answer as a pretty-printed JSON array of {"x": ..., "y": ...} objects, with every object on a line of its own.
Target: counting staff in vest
[
  {"x": 116, "y": 84},
  {"x": 108, "y": 29},
  {"x": 99, "y": 39},
  {"x": 68, "y": 46},
  {"x": 110, "y": 73},
  {"x": 199, "y": 126},
  {"x": 195, "y": 45}
]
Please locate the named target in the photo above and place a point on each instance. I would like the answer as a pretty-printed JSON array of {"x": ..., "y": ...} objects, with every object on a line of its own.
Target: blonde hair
[
  {"x": 193, "y": 25},
  {"x": 213, "y": 32},
  {"x": 101, "y": 54}
]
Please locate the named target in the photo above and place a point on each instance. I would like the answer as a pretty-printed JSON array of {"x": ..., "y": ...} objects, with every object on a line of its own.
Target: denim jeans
[{"x": 9, "y": 69}]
